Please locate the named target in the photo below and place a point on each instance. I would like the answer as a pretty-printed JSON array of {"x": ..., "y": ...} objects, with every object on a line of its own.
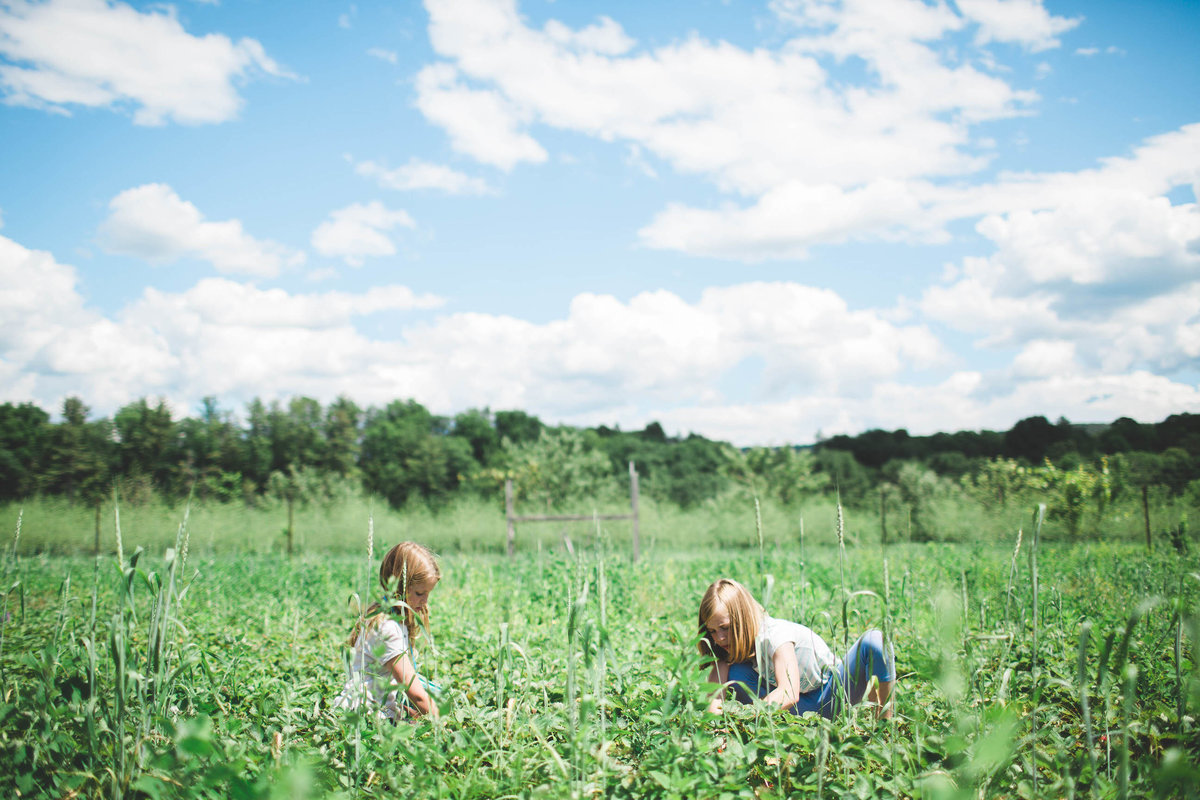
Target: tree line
[{"x": 402, "y": 452}]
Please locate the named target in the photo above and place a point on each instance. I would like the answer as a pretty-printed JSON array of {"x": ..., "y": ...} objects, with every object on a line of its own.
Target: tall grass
[{"x": 578, "y": 676}]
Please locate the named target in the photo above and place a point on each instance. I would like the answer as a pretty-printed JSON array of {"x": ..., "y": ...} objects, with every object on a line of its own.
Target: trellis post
[
  {"x": 511, "y": 518},
  {"x": 633, "y": 505}
]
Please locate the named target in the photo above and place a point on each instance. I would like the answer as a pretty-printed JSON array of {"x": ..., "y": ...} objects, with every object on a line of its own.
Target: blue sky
[{"x": 760, "y": 222}]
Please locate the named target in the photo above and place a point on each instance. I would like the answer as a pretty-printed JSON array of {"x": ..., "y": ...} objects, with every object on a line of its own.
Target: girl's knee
[
  {"x": 745, "y": 680},
  {"x": 871, "y": 651}
]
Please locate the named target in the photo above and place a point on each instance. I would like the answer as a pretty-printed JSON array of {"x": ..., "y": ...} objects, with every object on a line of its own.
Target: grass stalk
[
  {"x": 1037, "y": 690},
  {"x": 803, "y": 578},
  {"x": 1085, "y": 631},
  {"x": 841, "y": 539},
  {"x": 758, "y": 528},
  {"x": 1128, "y": 689},
  {"x": 1012, "y": 574}
]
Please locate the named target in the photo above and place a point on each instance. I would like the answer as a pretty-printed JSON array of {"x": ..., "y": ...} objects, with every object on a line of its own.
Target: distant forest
[{"x": 405, "y": 454}]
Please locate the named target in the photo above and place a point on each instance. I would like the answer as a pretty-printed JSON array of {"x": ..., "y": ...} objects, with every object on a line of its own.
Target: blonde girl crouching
[
  {"x": 784, "y": 662},
  {"x": 383, "y": 673}
]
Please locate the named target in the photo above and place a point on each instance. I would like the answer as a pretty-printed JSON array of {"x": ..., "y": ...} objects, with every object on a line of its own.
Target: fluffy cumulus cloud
[
  {"x": 608, "y": 360},
  {"x": 153, "y": 223},
  {"x": 220, "y": 336},
  {"x": 52, "y": 345},
  {"x": 96, "y": 53},
  {"x": 748, "y": 120},
  {"x": 360, "y": 230},
  {"x": 604, "y": 359},
  {"x": 482, "y": 123},
  {"x": 418, "y": 174},
  {"x": 1024, "y": 22},
  {"x": 1095, "y": 272},
  {"x": 755, "y": 363}
]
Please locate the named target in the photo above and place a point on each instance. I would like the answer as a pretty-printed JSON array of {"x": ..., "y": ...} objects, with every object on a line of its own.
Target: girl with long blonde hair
[
  {"x": 784, "y": 662},
  {"x": 383, "y": 673}
]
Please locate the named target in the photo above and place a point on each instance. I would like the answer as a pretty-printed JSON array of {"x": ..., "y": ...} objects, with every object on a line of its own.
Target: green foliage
[
  {"x": 579, "y": 677},
  {"x": 786, "y": 474},
  {"x": 404, "y": 457},
  {"x": 78, "y": 457},
  {"x": 24, "y": 430},
  {"x": 558, "y": 468}
]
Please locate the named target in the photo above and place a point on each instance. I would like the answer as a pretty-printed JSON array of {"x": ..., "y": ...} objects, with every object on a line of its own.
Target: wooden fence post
[
  {"x": 508, "y": 515},
  {"x": 291, "y": 528},
  {"x": 633, "y": 503}
]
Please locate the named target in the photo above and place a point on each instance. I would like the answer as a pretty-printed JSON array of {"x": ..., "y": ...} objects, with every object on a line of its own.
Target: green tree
[
  {"x": 79, "y": 456},
  {"x": 1001, "y": 481},
  {"x": 342, "y": 437},
  {"x": 24, "y": 432},
  {"x": 146, "y": 445},
  {"x": 258, "y": 452},
  {"x": 1030, "y": 438},
  {"x": 918, "y": 490},
  {"x": 1071, "y": 492},
  {"x": 476, "y": 429},
  {"x": 211, "y": 453},
  {"x": 785, "y": 473},
  {"x": 850, "y": 479},
  {"x": 517, "y": 426},
  {"x": 405, "y": 455},
  {"x": 559, "y": 468}
]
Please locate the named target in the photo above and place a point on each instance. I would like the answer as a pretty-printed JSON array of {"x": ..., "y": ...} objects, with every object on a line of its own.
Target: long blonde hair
[
  {"x": 745, "y": 618},
  {"x": 405, "y": 565}
]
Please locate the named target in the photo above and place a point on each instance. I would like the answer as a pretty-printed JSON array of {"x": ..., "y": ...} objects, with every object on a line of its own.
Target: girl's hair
[
  {"x": 405, "y": 565},
  {"x": 745, "y": 616}
]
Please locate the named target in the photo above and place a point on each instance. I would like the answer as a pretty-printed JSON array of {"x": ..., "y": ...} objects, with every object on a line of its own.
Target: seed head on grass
[{"x": 117, "y": 517}]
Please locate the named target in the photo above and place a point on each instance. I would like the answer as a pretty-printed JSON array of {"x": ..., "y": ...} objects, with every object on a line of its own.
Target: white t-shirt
[
  {"x": 371, "y": 681},
  {"x": 812, "y": 654}
]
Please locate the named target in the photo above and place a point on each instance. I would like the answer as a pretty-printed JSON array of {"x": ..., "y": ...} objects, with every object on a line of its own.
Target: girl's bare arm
[
  {"x": 406, "y": 675},
  {"x": 787, "y": 677}
]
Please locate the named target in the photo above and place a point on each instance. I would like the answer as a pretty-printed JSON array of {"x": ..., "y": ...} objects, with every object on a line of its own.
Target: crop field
[{"x": 1026, "y": 669}]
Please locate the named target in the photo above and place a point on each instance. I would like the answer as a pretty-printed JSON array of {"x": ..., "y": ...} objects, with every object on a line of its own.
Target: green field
[{"x": 1065, "y": 671}]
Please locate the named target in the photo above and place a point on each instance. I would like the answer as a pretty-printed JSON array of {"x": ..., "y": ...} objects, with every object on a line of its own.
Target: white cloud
[
  {"x": 790, "y": 218},
  {"x": 359, "y": 230},
  {"x": 481, "y": 123},
  {"x": 1024, "y": 22},
  {"x": 96, "y": 53},
  {"x": 222, "y": 302},
  {"x": 751, "y": 120},
  {"x": 152, "y": 222},
  {"x": 773, "y": 126},
  {"x": 52, "y": 345},
  {"x": 1042, "y": 359},
  {"x": 418, "y": 174},
  {"x": 605, "y": 37},
  {"x": 785, "y": 221},
  {"x": 389, "y": 56},
  {"x": 814, "y": 363},
  {"x": 958, "y": 403},
  {"x": 659, "y": 349},
  {"x": 1099, "y": 262},
  {"x": 219, "y": 337}
]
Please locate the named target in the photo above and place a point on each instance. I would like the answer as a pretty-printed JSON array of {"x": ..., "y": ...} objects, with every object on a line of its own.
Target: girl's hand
[{"x": 405, "y": 674}]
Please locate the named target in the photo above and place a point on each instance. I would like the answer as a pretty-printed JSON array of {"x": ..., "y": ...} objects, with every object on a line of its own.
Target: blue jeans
[{"x": 848, "y": 682}]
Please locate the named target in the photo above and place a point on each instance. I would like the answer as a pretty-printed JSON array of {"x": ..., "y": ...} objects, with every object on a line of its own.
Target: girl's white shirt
[
  {"x": 812, "y": 654},
  {"x": 371, "y": 680}
]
